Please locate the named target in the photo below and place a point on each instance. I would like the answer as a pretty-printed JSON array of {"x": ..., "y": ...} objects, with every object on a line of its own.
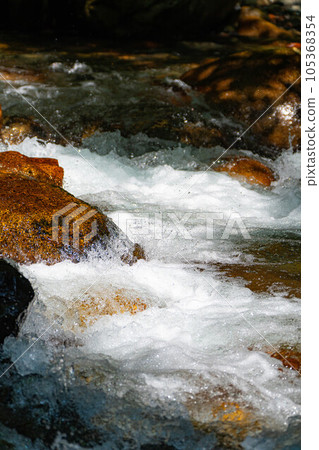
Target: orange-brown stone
[
  {"x": 42, "y": 169},
  {"x": 16, "y": 129},
  {"x": 266, "y": 278},
  {"x": 199, "y": 136},
  {"x": 51, "y": 167},
  {"x": 275, "y": 269},
  {"x": 92, "y": 308},
  {"x": 290, "y": 357},
  {"x": 29, "y": 201},
  {"x": 245, "y": 84},
  {"x": 253, "y": 23},
  {"x": 247, "y": 169},
  {"x": 14, "y": 74},
  {"x": 221, "y": 413}
]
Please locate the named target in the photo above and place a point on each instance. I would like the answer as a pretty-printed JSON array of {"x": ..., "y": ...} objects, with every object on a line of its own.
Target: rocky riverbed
[{"x": 150, "y": 235}]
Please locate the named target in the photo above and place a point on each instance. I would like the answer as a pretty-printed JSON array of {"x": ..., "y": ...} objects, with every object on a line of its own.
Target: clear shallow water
[{"x": 202, "y": 338}]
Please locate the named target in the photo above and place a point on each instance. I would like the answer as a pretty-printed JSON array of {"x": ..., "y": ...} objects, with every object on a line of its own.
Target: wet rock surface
[
  {"x": 289, "y": 356},
  {"x": 31, "y": 208},
  {"x": 17, "y": 74},
  {"x": 276, "y": 269},
  {"x": 16, "y": 293},
  {"x": 16, "y": 129},
  {"x": 246, "y": 169},
  {"x": 262, "y": 278},
  {"x": 40, "y": 416},
  {"x": 235, "y": 77},
  {"x": 221, "y": 414},
  {"x": 90, "y": 309},
  {"x": 258, "y": 24},
  {"x": 75, "y": 410},
  {"x": 244, "y": 85},
  {"x": 41, "y": 169}
]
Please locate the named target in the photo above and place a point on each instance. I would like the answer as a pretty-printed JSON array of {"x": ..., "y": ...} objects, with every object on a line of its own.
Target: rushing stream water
[{"x": 203, "y": 336}]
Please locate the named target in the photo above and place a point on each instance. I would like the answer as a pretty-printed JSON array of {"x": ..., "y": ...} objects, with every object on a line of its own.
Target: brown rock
[
  {"x": 15, "y": 74},
  {"x": 290, "y": 357},
  {"x": 1, "y": 118},
  {"x": 247, "y": 169},
  {"x": 266, "y": 278},
  {"x": 244, "y": 84},
  {"x": 92, "y": 308},
  {"x": 138, "y": 253},
  {"x": 42, "y": 169},
  {"x": 276, "y": 268},
  {"x": 31, "y": 211},
  {"x": 200, "y": 136},
  {"x": 91, "y": 129},
  {"x": 51, "y": 167},
  {"x": 16, "y": 129},
  {"x": 252, "y": 22},
  {"x": 221, "y": 413}
]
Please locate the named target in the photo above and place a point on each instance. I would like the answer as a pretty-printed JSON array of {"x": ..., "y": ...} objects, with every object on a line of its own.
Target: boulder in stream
[
  {"x": 246, "y": 169},
  {"x": 41, "y": 222},
  {"x": 42, "y": 169}
]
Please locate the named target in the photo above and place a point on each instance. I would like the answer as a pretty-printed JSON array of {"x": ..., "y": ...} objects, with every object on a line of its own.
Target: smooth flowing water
[{"x": 201, "y": 338}]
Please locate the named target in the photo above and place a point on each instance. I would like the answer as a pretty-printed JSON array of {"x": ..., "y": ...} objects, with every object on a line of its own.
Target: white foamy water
[{"x": 198, "y": 329}]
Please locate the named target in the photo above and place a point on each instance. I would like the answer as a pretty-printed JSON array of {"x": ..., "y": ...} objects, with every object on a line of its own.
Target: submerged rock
[
  {"x": 222, "y": 413},
  {"x": 247, "y": 169},
  {"x": 15, "y": 295},
  {"x": 42, "y": 408},
  {"x": 201, "y": 136},
  {"x": 15, "y": 74},
  {"x": 40, "y": 221},
  {"x": 16, "y": 129},
  {"x": 254, "y": 23},
  {"x": 289, "y": 356},
  {"x": 95, "y": 305},
  {"x": 266, "y": 278},
  {"x": 244, "y": 84}
]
